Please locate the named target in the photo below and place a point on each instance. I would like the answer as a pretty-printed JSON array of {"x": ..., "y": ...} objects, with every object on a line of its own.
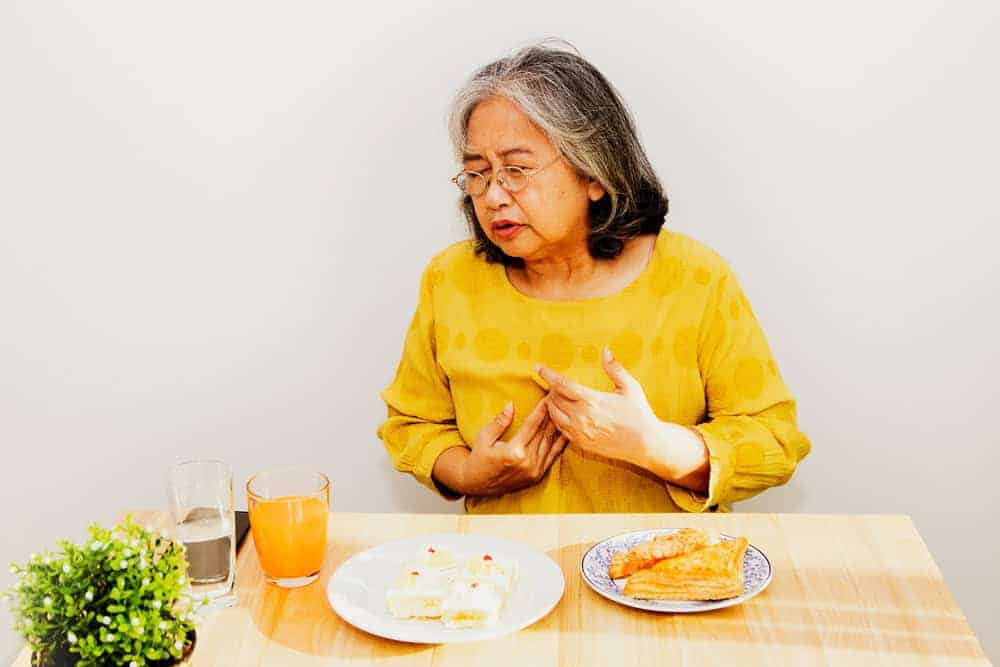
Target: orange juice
[{"x": 289, "y": 534}]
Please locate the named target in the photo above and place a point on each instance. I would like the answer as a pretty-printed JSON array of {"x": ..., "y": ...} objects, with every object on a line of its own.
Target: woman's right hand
[{"x": 495, "y": 467}]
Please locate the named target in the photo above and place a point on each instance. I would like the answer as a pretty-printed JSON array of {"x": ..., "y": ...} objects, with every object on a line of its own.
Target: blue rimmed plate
[{"x": 757, "y": 574}]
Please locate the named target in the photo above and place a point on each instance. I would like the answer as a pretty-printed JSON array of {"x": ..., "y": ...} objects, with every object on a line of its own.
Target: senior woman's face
[{"x": 551, "y": 210}]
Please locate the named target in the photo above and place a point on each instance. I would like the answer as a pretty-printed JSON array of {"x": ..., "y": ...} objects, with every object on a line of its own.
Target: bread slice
[
  {"x": 712, "y": 573},
  {"x": 647, "y": 554}
]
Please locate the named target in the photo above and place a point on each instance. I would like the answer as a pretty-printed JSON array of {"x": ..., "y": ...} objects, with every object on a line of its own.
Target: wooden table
[{"x": 847, "y": 590}]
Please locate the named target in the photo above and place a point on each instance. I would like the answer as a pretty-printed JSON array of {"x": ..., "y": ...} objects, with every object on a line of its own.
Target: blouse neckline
[{"x": 575, "y": 303}]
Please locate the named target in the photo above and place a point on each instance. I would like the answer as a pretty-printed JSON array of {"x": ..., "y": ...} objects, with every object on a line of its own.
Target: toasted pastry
[
  {"x": 712, "y": 573},
  {"x": 647, "y": 554}
]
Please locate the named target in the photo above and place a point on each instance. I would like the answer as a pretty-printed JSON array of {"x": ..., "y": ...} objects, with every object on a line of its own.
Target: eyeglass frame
[{"x": 528, "y": 173}]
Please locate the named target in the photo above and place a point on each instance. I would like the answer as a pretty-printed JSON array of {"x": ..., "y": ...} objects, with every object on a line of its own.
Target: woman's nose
[{"x": 496, "y": 195}]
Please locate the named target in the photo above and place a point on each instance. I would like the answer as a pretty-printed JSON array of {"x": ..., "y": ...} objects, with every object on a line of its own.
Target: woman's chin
[{"x": 515, "y": 249}]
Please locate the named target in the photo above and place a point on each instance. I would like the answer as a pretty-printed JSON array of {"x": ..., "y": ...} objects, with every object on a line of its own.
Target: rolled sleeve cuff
[
  {"x": 423, "y": 467},
  {"x": 720, "y": 459}
]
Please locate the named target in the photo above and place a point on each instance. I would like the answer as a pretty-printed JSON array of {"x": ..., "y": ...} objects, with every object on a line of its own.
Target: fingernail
[
  {"x": 538, "y": 368},
  {"x": 508, "y": 407},
  {"x": 607, "y": 354}
]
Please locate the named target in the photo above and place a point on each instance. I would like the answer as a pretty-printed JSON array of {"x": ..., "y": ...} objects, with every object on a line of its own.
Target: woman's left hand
[{"x": 615, "y": 424}]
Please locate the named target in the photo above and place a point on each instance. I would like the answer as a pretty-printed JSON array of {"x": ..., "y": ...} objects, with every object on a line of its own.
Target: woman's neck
[{"x": 575, "y": 274}]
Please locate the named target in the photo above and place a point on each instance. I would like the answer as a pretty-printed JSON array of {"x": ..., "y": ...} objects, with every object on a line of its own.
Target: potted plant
[{"x": 118, "y": 599}]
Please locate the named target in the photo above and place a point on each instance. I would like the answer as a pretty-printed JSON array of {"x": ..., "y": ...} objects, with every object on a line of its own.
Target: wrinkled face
[{"x": 550, "y": 213}]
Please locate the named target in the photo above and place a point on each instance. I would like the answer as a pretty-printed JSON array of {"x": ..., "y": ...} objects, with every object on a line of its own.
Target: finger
[
  {"x": 521, "y": 452},
  {"x": 543, "y": 441},
  {"x": 537, "y": 438},
  {"x": 496, "y": 426},
  {"x": 557, "y": 448},
  {"x": 514, "y": 455},
  {"x": 533, "y": 422},
  {"x": 561, "y": 419},
  {"x": 561, "y": 384},
  {"x": 569, "y": 407},
  {"x": 624, "y": 381},
  {"x": 551, "y": 444}
]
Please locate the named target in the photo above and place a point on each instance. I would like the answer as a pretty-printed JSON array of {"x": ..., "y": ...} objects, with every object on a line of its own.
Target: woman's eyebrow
[{"x": 510, "y": 151}]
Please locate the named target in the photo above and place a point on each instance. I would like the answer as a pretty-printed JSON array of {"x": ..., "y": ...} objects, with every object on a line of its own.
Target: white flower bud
[
  {"x": 47, "y": 560},
  {"x": 109, "y": 638},
  {"x": 66, "y": 568},
  {"x": 106, "y": 620},
  {"x": 33, "y": 557},
  {"x": 163, "y": 625},
  {"x": 134, "y": 544},
  {"x": 71, "y": 637},
  {"x": 95, "y": 545},
  {"x": 47, "y": 601},
  {"x": 145, "y": 581},
  {"x": 133, "y": 664},
  {"x": 142, "y": 563},
  {"x": 142, "y": 631},
  {"x": 89, "y": 596},
  {"x": 135, "y": 621},
  {"x": 123, "y": 564},
  {"x": 157, "y": 604},
  {"x": 178, "y": 645},
  {"x": 128, "y": 553},
  {"x": 182, "y": 580}
]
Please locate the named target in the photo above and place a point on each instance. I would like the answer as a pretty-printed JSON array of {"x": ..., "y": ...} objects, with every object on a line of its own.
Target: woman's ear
[{"x": 595, "y": 190}]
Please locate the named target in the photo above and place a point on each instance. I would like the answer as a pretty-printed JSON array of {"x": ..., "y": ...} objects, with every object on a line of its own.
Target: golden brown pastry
[
  {"x": 712, "y": 573},
  {"x": 647, "y": 554}
]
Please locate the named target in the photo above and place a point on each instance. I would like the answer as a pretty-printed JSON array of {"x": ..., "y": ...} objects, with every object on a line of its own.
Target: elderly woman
[{"x": 575, "y": 355}]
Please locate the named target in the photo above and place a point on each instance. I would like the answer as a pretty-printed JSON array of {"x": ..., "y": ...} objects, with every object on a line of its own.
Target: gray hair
[{"x": 586, "y": 120}]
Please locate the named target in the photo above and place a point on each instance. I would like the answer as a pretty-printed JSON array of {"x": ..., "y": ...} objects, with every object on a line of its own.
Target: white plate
[
  {"x": 757, "y": 574},
  {"x": 356, "y": 591}
]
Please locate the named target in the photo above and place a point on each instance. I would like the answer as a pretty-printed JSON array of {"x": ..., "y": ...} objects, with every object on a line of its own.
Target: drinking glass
[
  {"x": 201, "y": 503},
  {"x": 289, "y": 508}
]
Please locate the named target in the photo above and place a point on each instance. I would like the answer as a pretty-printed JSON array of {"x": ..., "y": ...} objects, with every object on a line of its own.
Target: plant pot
[{"x": 60, "y": 656}]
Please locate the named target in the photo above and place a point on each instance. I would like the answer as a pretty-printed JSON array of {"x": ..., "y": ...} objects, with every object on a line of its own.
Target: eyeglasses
[{"x": 510, "y": 178}]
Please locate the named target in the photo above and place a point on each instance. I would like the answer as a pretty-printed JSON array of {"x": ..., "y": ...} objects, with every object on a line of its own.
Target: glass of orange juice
[{"x": 288, "y": 516}]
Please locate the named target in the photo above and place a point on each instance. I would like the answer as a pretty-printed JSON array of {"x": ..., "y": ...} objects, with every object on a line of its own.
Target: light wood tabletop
[{"x": 847, "y": 590}]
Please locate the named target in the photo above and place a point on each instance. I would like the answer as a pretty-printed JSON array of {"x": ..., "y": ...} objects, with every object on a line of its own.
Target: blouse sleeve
[
  {"x": 751, "y": 432},
  {"x": 420, "y": 424}
]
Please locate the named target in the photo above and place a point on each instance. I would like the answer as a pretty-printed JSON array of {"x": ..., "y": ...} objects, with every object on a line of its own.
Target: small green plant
[{"x": 118, "y": 599}]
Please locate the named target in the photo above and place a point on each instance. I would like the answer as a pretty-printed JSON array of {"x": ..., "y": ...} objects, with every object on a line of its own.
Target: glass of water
[{"x": 201, "y": 504}]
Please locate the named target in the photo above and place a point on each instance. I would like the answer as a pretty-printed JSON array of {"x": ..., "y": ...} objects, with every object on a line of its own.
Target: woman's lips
[{"x": 506, "y": 229}]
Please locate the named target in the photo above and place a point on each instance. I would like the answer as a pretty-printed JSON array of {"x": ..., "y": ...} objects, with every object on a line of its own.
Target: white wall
[{"x": 212, "y": 220}]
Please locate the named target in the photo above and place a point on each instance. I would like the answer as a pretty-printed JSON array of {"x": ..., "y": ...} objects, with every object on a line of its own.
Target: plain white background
[{"x": 213, "y": 219}]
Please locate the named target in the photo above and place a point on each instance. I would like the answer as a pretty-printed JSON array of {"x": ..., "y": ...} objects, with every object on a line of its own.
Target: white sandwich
[
  {"x": 436, "y": 556},
  {"x": 499, "y": 573},
  {"x": 418, "y": 593},
  {"x": 471, "y": 605}
]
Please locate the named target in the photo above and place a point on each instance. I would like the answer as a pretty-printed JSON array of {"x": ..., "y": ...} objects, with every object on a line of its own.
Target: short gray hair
[{"x": 586, "y": 120}]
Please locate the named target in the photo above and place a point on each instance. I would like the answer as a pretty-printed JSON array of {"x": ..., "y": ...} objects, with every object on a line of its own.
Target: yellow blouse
[{"x": 683, "y": 328}]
